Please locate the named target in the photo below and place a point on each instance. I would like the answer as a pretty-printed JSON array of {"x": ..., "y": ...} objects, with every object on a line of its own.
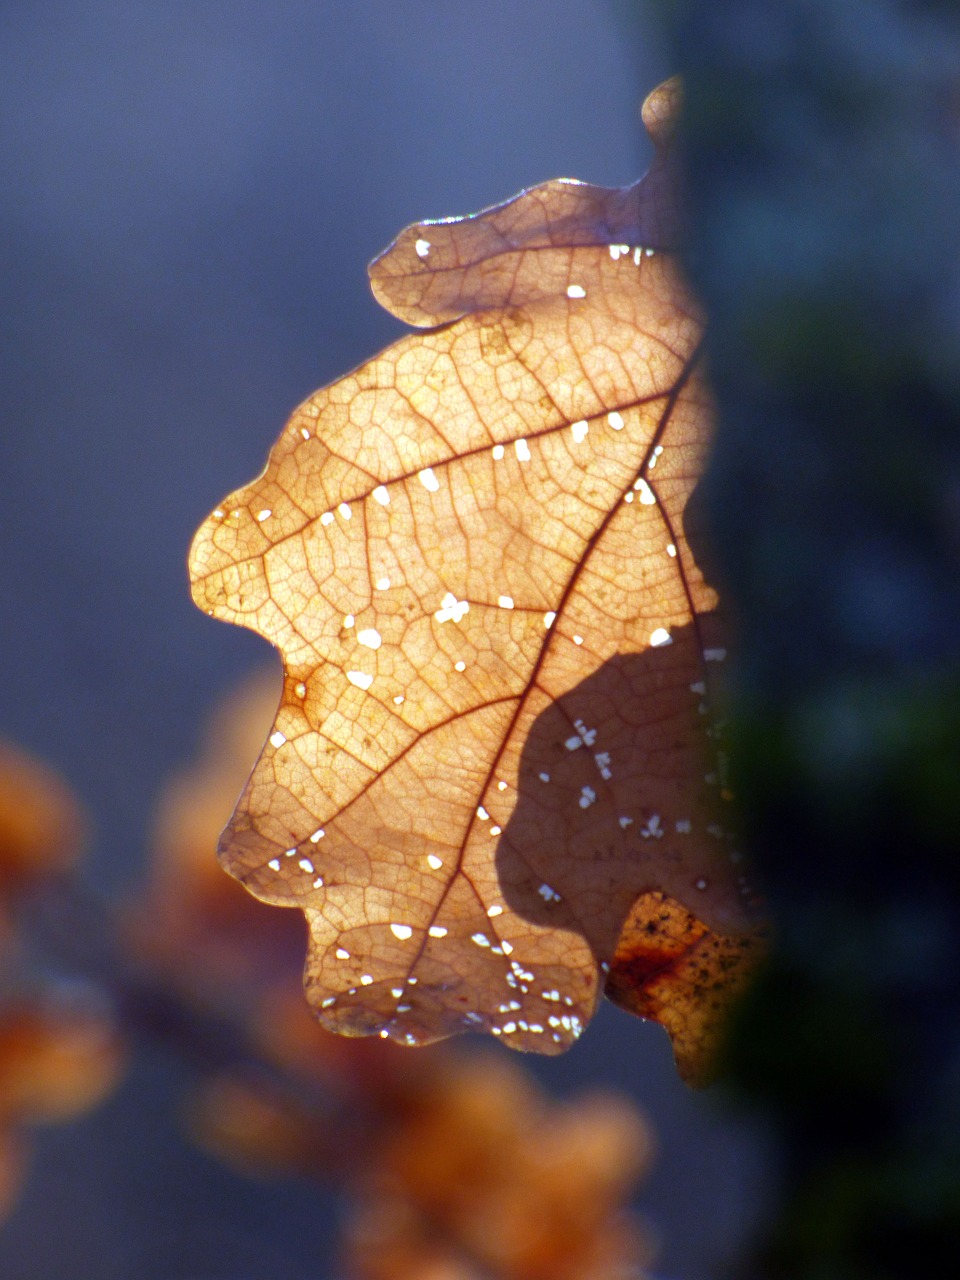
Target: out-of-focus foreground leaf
[{"x": 497, "y": 643}]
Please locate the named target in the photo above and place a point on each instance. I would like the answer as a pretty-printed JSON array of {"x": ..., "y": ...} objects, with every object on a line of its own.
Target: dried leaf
[{"x": 497, "y": 642}]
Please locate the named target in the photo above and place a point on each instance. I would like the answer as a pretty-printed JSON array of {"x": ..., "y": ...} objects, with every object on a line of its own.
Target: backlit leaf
[{"x": 497, "y": 643}]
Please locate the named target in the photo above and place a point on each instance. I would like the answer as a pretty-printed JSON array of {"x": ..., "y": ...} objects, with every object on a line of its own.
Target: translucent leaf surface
[{"x": 497, "y": 643}]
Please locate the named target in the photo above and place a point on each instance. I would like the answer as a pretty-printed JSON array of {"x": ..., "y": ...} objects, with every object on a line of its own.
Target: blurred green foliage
[{"x": 821, "y": 144}]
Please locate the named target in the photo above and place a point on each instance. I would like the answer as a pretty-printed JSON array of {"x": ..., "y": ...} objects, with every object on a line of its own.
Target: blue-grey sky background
[{"x": 191, "y": 191}]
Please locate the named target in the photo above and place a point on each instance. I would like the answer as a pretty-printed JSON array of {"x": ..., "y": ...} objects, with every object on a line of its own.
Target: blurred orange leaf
[
  {"x": 59, "y": 1057},
  {"x": 473, "y": 555},
  {"x": 190, "y": 919},
  {"x": 41, "y": 823},
  {"x": 485, "y": 1176}
]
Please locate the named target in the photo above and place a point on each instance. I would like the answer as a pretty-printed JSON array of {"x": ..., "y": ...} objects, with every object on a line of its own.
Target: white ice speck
[
  {"x": 382, "y": 584},
  {"x": 433, "y": 862},
  {"x": 497, "y": 452},
  {"x": 576, "y": 291},
  {"x": 523, "y": 450},
  {"x": 360, "y": 679},
  {"x": 714, "y": 655},
  {"x": 396, "y": 992},
  {"x": 495, "y": 831},
  {"x": 495, "y": 910},
  {"x": 482, "y": 813},
  {"x": 317, "y": 835},
  {"x": 615, "y": 420},
  {"x": 649, "y": 252},
  {"x": 451, "y": 609},
  {"x": 548, "y": 619},
  {"x": 587, "y": 797},
  {"x": 701, "y": 884},
  {"x": 572, "y": 743},
  {"x": 501, "y": 785},
  {"x": 277, "y": 739},
  {"x": 645, "y": 492},
  {"x": 460, "y": 666},
  {"x": 614, "y": 251},
  {"x": 637, "y": 255},
  {"x": 349, "y": 620},
  {"x": 366, "y": 979},
  {"x": 265, "y": 514},
  {"x": 344, "y": 509},
  {"x": 683, "y": 827},
  {"x": 328, "y": 1002},
  {"x": 300, "y": 689},
  {"x": 480, "y": 939},
  {"x": 507, "y": 948},
  {"x": 578, "y": 639},
  {"x": 626, "y": 822},
  {"x": 401, "y": 931},
  {"x": 327, "y": 518},
  {"x": 318, "y": 883},
  {"x": 274, "y": 864},
  {"x": 398, "y": 700},
  {"x": 306, "y": 865},
  {"x": 660, "y": 637},
  {"x": 671, "y": 549},
  {"x": 437, "y": 931},
  {"x": 342, "y": 954},
  {"x": 544, "y": 777},
  {"x": 380, "y": 495},
  {"x": 579, "y": 430},
  {"x": 505, "y": 602},
  {"x": 370, "y": 638},
  {"x": 422, "y": 247},
  {"x": 429, "y": 480}
]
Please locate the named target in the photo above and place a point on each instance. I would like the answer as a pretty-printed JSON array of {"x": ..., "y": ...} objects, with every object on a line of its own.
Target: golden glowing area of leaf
[{"x": 497, "y": 644}]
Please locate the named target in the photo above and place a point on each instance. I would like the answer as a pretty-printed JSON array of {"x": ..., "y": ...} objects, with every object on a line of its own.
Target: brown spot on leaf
[{"x": 670, "y": 967}]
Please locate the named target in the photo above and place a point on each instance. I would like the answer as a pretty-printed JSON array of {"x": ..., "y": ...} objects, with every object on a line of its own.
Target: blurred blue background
[{"x": 191, "y": 191}]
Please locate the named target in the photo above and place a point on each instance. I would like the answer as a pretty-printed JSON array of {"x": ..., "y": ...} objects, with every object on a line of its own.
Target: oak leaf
[{"x": 497, "y": 643}]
